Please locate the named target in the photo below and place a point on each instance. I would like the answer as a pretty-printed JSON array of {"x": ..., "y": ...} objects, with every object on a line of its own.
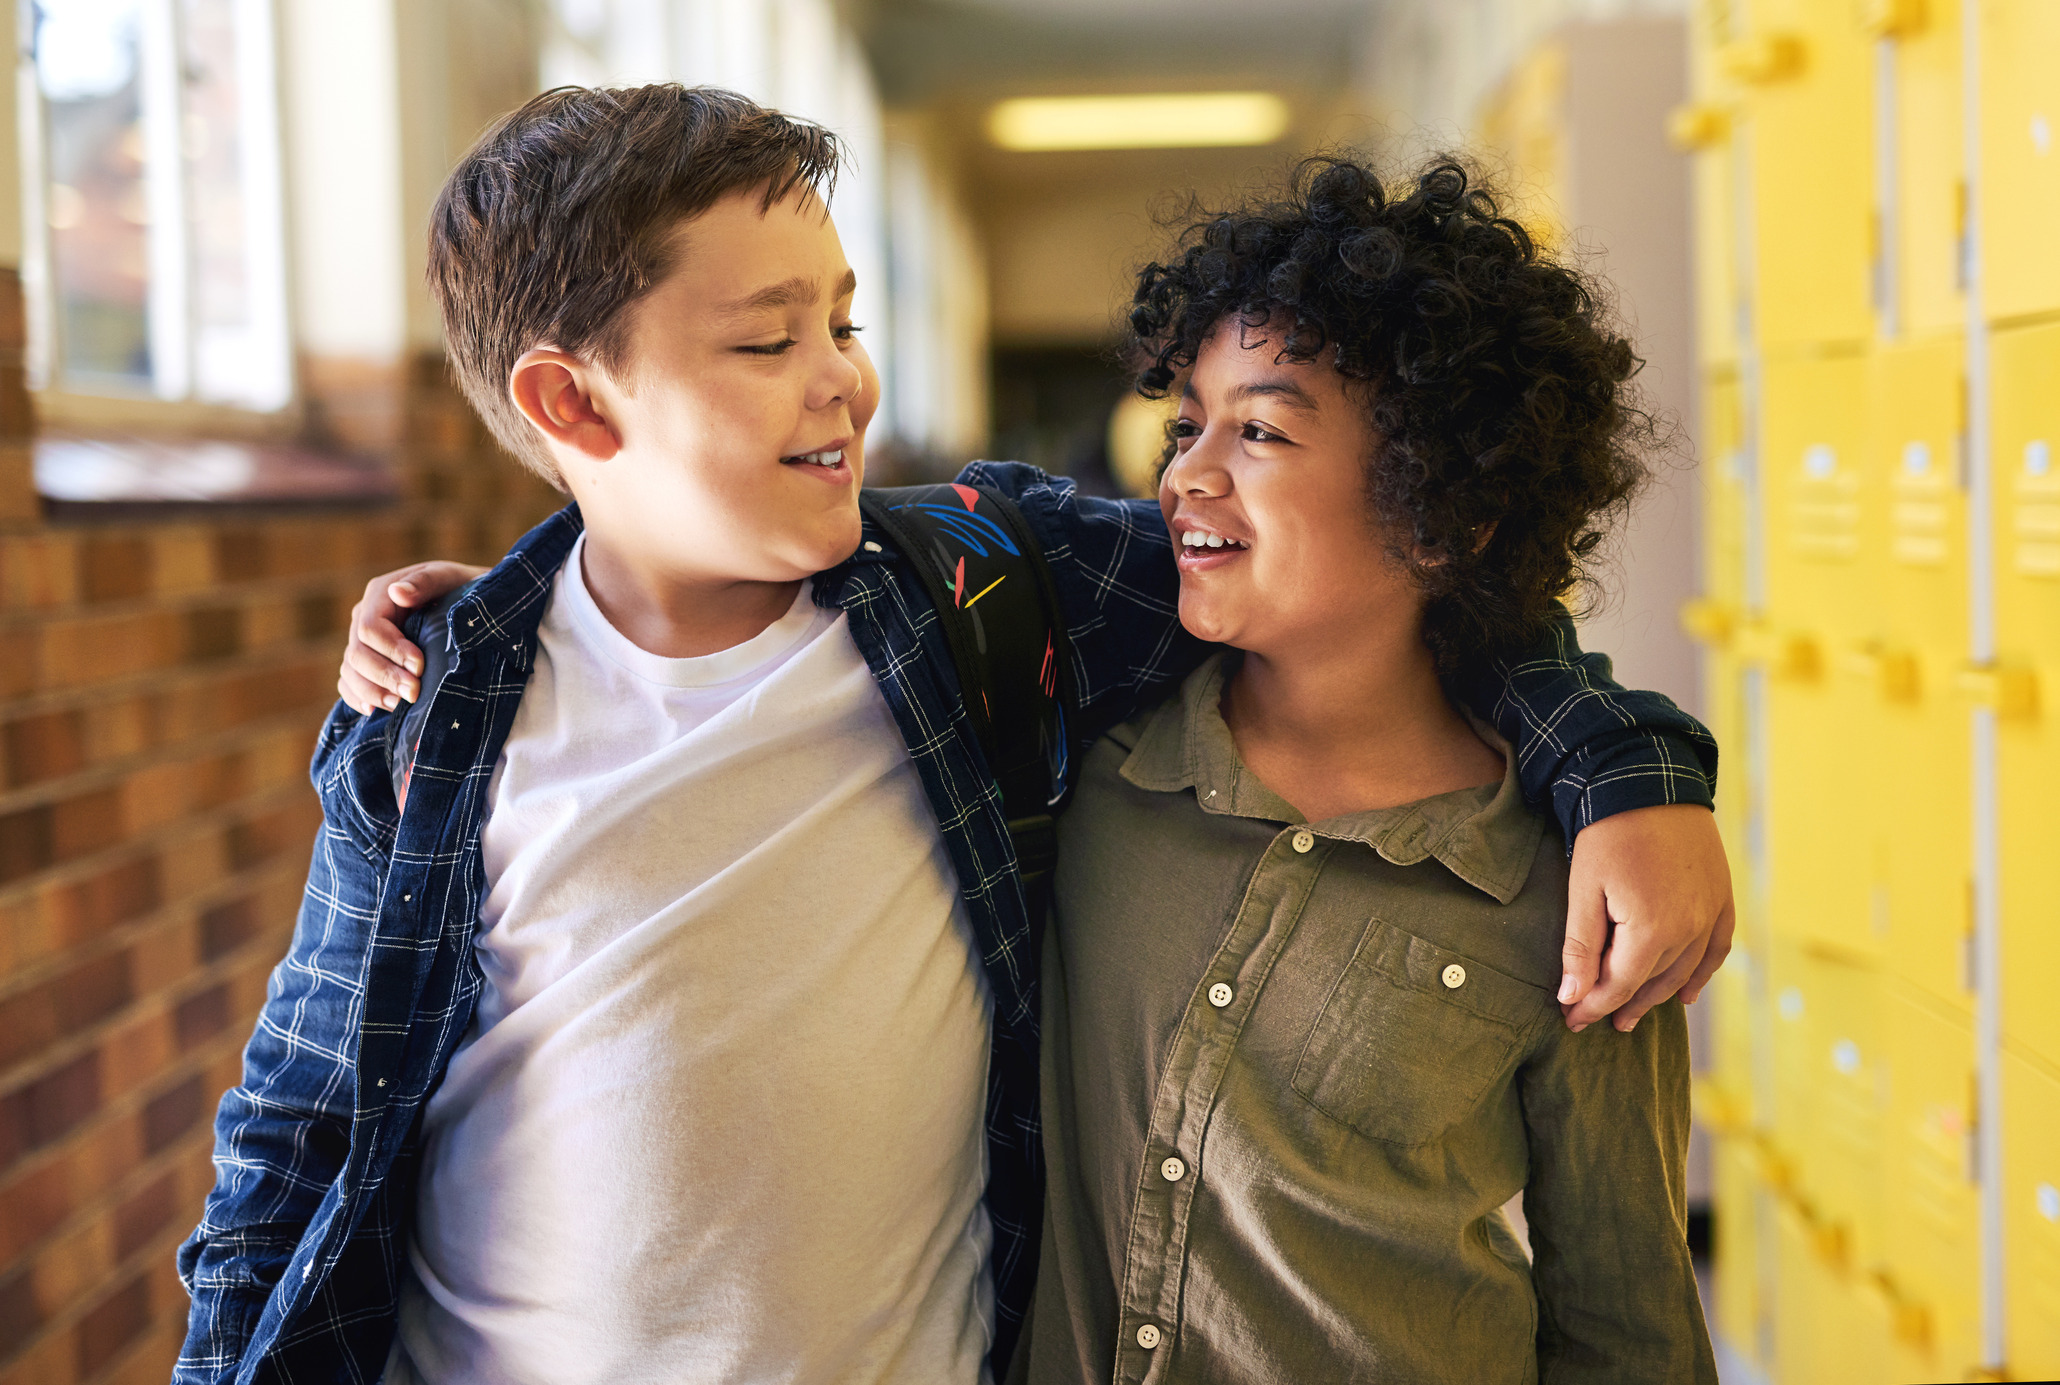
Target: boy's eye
[
  {"x": 1183, "y": 429},
  {"x": 776, "y": 348},
  {"x": 1259, "y": 432},
  {"x": 848, "y": 332}
]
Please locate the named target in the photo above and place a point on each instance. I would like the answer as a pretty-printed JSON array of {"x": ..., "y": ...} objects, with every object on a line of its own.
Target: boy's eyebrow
[
  {"x": 788, "y": 292},
  {"x": 1286, "y": 391}
]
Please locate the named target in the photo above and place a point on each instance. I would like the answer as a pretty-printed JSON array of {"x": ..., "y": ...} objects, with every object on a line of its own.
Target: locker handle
[
  {"x": 1893, "y": 672},
  {"x": 1762, "y": 59},
  {"x": 1709, "y": 621},
  {"x": 1786, "y": 654},
  {"x": 1698, "y": 125},
  {"x": 2012, "y": 692},
  {"x": 1891, "y": 18}
]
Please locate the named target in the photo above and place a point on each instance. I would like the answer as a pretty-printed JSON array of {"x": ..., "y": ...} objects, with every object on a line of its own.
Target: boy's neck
[
  {"x": 1348, "y": 728},
  {"x": 678, "y": 615}
]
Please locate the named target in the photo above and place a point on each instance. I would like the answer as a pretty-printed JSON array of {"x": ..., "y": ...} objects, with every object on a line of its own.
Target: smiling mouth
[
  {"x": 832, "y": 458},
  {"x": 1194, "y": 540}
]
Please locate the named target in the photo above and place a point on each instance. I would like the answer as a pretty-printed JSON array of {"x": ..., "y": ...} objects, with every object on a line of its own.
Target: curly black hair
[{"x": 1497, "y": 388}]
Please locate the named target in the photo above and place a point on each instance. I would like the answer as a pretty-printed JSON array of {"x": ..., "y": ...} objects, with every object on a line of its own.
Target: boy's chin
[{"x": 833, "y": 540}]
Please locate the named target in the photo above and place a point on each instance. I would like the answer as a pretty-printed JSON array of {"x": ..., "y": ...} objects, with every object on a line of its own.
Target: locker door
[
  {"x": 1831, "y": 1084},
  {"x": 1705, "y": 130},
  {"x": 1805, "y": 71},
  {"x": 1742, "y": 1200},
  {"x": 2020, "y": 163},
  {"x": 1934, "y": 1238},
  {"x": 2031, "y": 1216},
  {"x": 1929, "y": 161},
  {"x": 2025, "y": 367},
  {"x": 1823, "y": 730},
  {"x": 1830, "y": 1328},
  {"x": 1849, "y": 1080},
  {"x": 1922, "y": 853}
]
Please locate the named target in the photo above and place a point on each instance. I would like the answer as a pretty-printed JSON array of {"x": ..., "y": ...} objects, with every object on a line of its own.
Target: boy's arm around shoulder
[
  {"x": 1588, "y": 747},
  {"x": 1112, "y": 564},
  {"x": 1606, "y": 1115},
  {"x": 282, "y": 1135},
  {"x": 1630, "y": 777}
]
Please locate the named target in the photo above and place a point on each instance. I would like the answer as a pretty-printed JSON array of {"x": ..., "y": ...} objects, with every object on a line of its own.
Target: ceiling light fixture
[{"x": 1186, "y": 120}]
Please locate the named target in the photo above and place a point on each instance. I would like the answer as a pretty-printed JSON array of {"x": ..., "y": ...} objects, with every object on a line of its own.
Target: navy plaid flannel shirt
[{"x": 294, "y": 1269}]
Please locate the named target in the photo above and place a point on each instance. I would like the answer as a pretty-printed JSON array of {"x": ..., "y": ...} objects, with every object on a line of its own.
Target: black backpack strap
[{"x": 984, "y": 573}]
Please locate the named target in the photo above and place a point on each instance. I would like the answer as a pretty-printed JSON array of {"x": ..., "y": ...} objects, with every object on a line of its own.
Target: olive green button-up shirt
[{"x": 1293, "y": 1071}]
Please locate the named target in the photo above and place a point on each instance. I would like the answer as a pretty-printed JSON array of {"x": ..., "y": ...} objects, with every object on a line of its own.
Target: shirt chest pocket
[{"x": 1412, "y": 1036}]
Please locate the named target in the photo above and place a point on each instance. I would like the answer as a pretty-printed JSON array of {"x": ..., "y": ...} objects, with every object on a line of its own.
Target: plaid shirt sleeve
[
  {"x": 1586, "y": 746},
  {"x": 282, "y": 1135}
]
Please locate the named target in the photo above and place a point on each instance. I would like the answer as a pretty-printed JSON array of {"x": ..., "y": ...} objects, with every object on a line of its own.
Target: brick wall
[{"x": 160, "y": 688}]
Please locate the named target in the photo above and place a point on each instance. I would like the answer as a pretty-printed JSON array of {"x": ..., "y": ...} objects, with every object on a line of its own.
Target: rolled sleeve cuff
[{"x": 1636, "y": 769}]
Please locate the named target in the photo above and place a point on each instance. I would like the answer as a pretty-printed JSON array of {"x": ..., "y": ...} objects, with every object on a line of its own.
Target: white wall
[
  {"x": 339, "y": 83},
  {"x": 937, "y": 396},
  {"x": 1429, "y": 64}
]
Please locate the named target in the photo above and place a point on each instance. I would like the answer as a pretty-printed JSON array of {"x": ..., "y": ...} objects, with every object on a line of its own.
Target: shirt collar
[
  {"x": 1484, "y": 835},
  {"x": 508, "y": 603}
]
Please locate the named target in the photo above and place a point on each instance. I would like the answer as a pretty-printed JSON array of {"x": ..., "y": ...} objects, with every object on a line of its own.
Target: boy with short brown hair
[{"x": 677, "y": 1018}]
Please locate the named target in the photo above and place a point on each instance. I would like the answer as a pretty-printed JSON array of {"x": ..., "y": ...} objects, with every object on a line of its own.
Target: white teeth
[
  {"x": 1215, "y": 540},
  {"x": 820, "y": 458},
  {"x": 1195, "y": 538}
]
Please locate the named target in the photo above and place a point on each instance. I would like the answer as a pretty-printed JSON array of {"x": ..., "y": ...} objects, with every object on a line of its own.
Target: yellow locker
[
  {"x": 1830, "y": 1327},
  {"x": 1933, "y": 1237},
  {"x": 1722, "y": 472},
  {"x": 2020, "y": 165},
  {"x": 1803, "y": 1343},
  {"x": 2031, "y": 1216},
  {"x": 1849, "y": 1079},
  {"x": 1822, "y": 546},
  {"x": 1712, "y": 175},
  {"x": 1729, "y": 1083},
  {"x": 2025, "y": 443},
  {"x": 1929, "y": 161},
  {"x": 1742, "y": 1201},
  {"x": 1805, "y": 72},
  {"x": 1917, "y": 788},
  {"x": 1792, "y": 1134},
  {"x": 1704, "y": 129},
  {"x": 1831, "y": 1085}
]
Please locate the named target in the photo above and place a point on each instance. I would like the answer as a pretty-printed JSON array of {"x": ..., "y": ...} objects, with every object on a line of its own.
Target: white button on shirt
[
  {"x": 1174, "y": 1170},
  {"x": 1220, "y": 995},
  {"x": 1304, "y": 840},
  {"x": 1454, "y": 977},
  {"x": 1147, "y": 1336}
]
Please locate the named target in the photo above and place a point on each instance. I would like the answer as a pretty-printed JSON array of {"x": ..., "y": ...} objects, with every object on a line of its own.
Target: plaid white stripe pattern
[{"x": 295, "y": 1266}]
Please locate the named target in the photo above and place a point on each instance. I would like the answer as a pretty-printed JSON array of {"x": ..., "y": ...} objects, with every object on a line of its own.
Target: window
[{"x": 155, "y": 263}]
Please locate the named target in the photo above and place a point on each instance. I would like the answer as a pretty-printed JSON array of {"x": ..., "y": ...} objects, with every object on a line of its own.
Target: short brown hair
[{"x": 562, "y": 215}]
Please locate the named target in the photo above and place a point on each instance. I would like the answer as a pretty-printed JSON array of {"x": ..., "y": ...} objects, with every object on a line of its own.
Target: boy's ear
[{"x": 555, "y": 393}]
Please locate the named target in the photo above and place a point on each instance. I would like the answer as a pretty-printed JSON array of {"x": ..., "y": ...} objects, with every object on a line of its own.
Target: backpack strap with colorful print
[{"x": 986, "y": 577}]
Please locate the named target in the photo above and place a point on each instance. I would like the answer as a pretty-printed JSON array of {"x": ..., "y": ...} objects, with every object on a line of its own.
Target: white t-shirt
[{"x": 719, "y": 1116}]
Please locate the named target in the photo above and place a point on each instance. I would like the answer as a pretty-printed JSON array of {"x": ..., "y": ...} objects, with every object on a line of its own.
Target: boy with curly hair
[
  {"x": 1278, "y": 1153},
  {"x": 663, "y": 1005}
]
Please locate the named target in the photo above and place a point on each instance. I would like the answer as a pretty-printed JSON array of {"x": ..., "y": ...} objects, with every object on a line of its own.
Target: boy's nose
[
  {"x": 1198, "y": 470},
  {"x": 837, "y": 381}
]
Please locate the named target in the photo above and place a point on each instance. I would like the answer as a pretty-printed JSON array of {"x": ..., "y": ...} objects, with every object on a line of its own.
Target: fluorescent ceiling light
[{"x": 1171, "y": 121}]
